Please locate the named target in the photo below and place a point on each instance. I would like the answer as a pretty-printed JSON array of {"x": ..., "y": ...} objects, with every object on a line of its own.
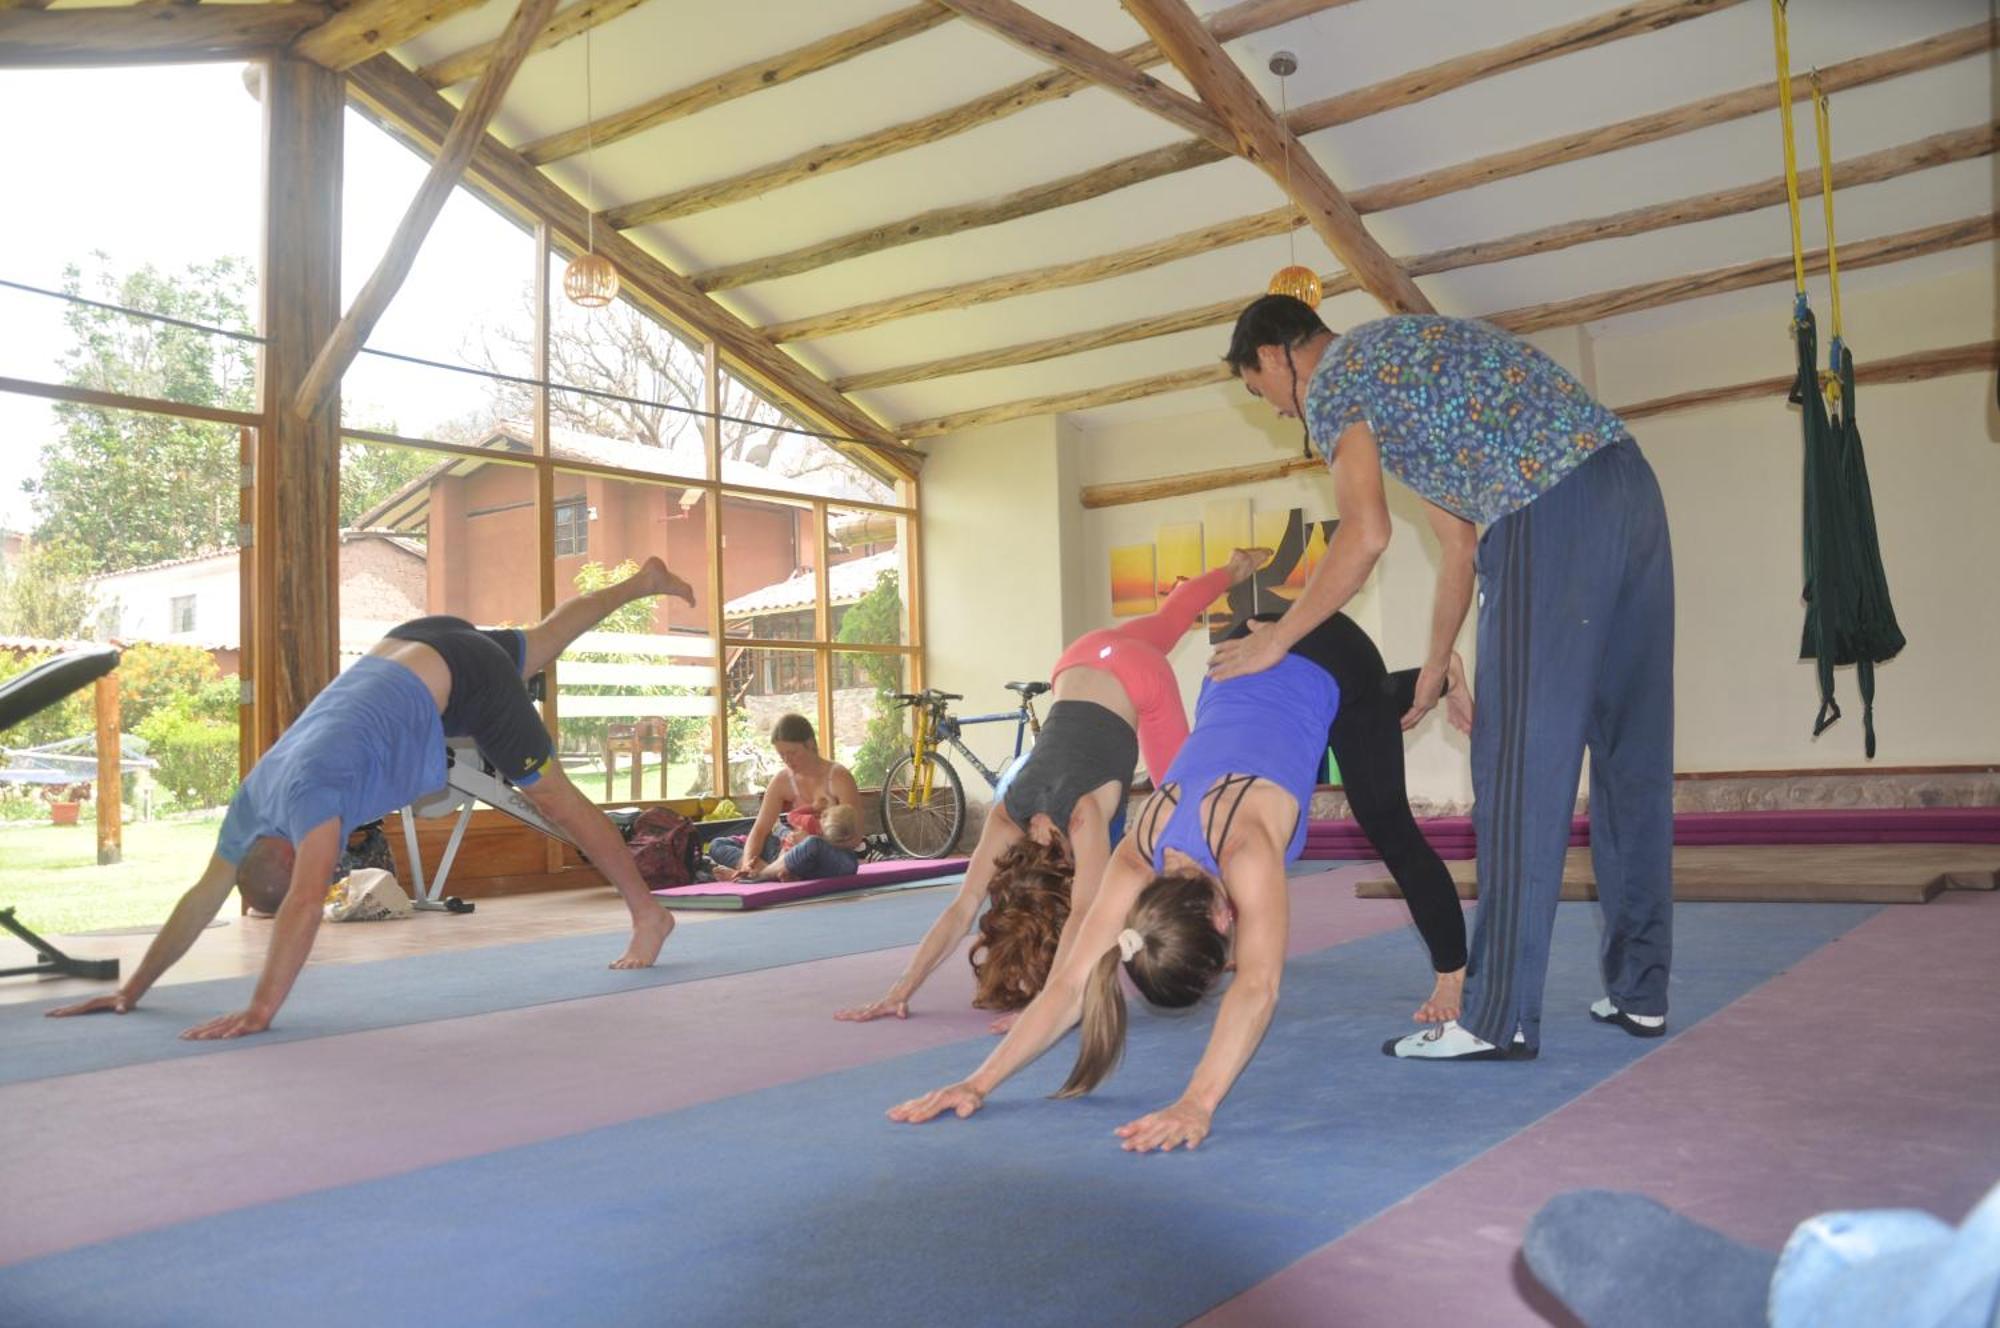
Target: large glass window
[{"x": 761, "y": 448}]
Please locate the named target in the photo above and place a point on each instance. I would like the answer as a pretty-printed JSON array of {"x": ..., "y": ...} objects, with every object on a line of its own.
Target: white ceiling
[{"x": 666, "y": 44}]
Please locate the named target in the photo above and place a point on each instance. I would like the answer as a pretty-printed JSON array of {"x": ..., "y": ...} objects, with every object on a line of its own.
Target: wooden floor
[{"x": 237, "y": 946}]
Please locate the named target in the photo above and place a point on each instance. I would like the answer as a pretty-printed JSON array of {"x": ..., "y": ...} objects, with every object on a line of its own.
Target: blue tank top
[{"x": 1270, "y": 725}]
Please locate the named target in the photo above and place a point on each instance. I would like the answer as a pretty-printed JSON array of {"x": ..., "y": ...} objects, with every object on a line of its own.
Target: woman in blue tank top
[{"x": 1198, "y": 883}]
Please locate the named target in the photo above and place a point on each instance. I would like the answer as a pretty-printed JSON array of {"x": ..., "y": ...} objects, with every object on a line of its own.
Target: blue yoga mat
[
  {"x": 350, "y": 998},
  {"x": 802, "y": 1204}
]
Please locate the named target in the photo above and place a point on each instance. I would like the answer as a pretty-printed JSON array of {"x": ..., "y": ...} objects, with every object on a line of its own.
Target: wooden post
[
  {"x": 711, "y": 400},
  {"x": 110, "y": 783},
  {"x": 296, "y": 543},
  {"x": 545, "y": 510}
]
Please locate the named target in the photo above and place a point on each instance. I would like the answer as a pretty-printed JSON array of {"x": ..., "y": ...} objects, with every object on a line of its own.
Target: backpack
[{"x": 663, "y": 846}]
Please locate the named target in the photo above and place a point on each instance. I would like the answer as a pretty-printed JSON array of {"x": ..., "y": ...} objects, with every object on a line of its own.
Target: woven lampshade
[
  {"x": 592, "y": 282},
  {"x": 1298, "y": 281}
]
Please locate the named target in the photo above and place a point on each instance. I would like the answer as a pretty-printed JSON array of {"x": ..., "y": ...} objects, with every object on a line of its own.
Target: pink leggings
[{"x": 1135, "y": 653}]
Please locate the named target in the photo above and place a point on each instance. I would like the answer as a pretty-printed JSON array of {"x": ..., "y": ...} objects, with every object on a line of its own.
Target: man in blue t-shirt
[
  {"x": 373, "y": 741},
  {"x": 1576, "y": 628}
]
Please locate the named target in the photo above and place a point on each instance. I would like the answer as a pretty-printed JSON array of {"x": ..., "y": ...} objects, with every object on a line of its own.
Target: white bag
[{"x": 369, "y": 894}]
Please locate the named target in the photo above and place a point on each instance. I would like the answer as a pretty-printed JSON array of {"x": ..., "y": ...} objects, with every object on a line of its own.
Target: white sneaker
[{"x": 1451, "y": 1042}]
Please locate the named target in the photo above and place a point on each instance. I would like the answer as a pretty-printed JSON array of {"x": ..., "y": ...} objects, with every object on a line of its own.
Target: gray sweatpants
[{"x": 1576, "y": 649}]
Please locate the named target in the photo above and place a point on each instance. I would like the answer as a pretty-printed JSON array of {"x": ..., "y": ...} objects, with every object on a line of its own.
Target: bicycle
[{"x": 923, "y": 798}]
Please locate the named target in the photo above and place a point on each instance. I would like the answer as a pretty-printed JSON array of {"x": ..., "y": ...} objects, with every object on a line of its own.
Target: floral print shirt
[{"x": 1470, "y": 417}]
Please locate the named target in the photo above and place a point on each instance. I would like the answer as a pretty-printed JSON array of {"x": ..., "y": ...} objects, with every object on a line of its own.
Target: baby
[{"x": 832, "y": 852}]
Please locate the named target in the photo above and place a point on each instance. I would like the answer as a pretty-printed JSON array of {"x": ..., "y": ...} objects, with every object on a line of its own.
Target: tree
[
  {"x": 125, "y": 488},
  {"x": 371, "y": 472},
  {"x": 877, "y": 619},
  {"x": 46, "y": 593},
  {"x": 648, "y": 372}
]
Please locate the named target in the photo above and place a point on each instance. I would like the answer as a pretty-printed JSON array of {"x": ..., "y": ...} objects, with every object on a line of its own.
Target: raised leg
[{"x": 553, "y": 634}]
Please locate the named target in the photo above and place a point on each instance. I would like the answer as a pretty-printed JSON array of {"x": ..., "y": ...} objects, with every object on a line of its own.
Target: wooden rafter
[
  {"x": 467, "y": 129},
  {"x": 1063, "y": 48},
  {"x": 1888, "y": 164},
  {"x": 151, "y": 34},
  {"x": 367, "y": 28},
  {"x": 1265, "y": 140},
  {"x": 1976, "y": 357},
  {"x": 409, "y": 108},
  {"x": 1402, "y": 90},
  {"x": 738, "y": 82},
  {"x": 1238, "y": 20},
  {"x": 1531, "y": 318},
  {"x": 1926, "y": 54},
  {"x": 578, "y": 19}
]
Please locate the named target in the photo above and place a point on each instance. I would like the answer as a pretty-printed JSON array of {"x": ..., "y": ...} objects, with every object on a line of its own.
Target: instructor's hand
[
  {"x": 1246, "y": 654},
  {"x": 961, "y": 1098},
  {"x": 1430, "y": 686},
  {"x": 117, "y": 1003}
]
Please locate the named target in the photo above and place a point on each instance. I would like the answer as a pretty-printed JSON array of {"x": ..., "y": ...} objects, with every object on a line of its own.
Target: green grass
[{"x": 49, "y": 873}]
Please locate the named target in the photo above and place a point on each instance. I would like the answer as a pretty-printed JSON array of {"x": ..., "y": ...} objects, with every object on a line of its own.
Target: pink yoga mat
[{"x": 747, "y": 896}]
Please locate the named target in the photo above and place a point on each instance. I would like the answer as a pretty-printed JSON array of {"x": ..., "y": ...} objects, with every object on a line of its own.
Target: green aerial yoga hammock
[{"x": 1849, "y": 619}]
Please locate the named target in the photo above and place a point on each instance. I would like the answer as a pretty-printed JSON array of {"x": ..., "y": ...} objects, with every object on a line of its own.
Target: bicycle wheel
[{"x": 923, "y": 823}]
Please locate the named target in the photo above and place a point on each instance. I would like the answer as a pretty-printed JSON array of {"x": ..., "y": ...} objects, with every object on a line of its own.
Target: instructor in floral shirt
[{"x": 1576, "y": 628}]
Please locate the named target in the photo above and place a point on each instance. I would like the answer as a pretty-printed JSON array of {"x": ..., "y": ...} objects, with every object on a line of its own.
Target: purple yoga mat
[
  {"x": 763, "y": 894},
  {"x": 1453, "y": 839}
]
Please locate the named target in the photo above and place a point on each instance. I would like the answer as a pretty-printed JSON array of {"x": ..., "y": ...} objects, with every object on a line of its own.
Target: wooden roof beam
[
  {"x": 367, "y": 28},
  {"x": 741, "y": 81},
  {"x": 1888, "y": 164},
  {"x": 1873, "y": 68},
  {"x": 578, "y": 19},
  {"x": 1401, "y": 90},
  {"x": 1975, "y": 357},
  {"x": 467, "y": 129},
  {"x": 1531, "y": 318},
  {"x": 408, "y": 106},
  {"x": 149, "y": 34},
  {"x": 1059, "y": 46},
  {"x": 1238, "y": 20},
  {"x": 1264, "y": 140}
]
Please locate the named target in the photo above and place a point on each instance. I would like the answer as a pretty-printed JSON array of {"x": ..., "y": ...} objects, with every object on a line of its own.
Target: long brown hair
[
  {"x": 1028, "y": 903},
  {"x": 1180, "y": 956}
]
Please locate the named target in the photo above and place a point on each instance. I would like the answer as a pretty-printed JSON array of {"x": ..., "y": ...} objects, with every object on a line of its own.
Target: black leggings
[{"x": 1367, "y": 743}]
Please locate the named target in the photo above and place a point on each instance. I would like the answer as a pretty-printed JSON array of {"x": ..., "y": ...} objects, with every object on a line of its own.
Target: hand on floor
[
  {"x": 960, "y": 1098},
  {"x": 117, "y": 1003},
  {"x": 1182, "y": 1123},
  {"x": 888, "y": 1005},
  {"x": 237, "y": 1025}
]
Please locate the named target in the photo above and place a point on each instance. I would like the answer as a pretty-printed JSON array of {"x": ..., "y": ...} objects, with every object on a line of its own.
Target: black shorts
[{"x": 489, "y": 699}]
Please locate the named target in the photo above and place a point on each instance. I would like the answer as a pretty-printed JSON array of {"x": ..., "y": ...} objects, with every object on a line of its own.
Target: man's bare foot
[
  {"x": 1458, "y": 697},
  {"x": 1444, "y": 999},
  {"x": 649, "y": 933},
  {"x": 659, "y": 581}
]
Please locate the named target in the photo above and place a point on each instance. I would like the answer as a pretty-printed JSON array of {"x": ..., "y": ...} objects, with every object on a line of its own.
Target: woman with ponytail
[
  {"x": 1198, "y": 886},
  {"x": 1116, "y": 699}
]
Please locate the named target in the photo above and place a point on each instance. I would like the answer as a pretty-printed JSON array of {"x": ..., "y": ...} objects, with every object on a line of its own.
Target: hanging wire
[
  {"x": 131, "y": 312},
  {"x": 1285, "y": 119},
  {"x": 591, "y": 155}
]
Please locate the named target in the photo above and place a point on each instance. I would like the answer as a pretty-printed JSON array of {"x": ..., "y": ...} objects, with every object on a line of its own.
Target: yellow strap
[
  {"x": 1791, "y": 153},
  {"x": 1823, "y": 130}
]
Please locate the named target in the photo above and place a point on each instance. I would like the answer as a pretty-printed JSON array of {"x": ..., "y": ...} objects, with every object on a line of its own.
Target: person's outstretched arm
[
  {"x": 777, "y": 797},
  {"x": 999, "y": 835},
  {"x": 1256, "y": 872},
  {"x": 1351, "y": 555},
  {"x": 196, "y": 909},
  {"x": 1050, "y": 1014},
  {"x": 292, "y": 936},
  {"x": 1458, "y": 547}
]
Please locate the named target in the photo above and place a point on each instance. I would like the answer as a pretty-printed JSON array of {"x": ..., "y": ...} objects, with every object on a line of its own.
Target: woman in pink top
[{"x": 1047, "y": 837}]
